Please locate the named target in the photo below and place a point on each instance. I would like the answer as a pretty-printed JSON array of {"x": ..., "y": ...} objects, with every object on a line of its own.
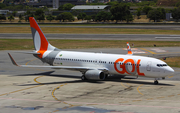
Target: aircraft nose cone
[{"x": 170, "y": 70}]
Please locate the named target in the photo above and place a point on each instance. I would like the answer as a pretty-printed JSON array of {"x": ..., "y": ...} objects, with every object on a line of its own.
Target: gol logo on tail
[{"x": 124, "y": 67}]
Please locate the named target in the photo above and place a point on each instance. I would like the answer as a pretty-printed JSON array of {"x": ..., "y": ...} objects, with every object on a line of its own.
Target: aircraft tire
[
  {"x": 156, "y": 82},
  {"x": 83, "y": 77}
]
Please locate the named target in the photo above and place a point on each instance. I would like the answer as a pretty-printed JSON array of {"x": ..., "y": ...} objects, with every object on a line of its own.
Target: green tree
[
  {"x": 28, "y": 14},
  {"x": 67, "y": 6},
  {"x": 60, "y": 8},
  {"x": 154, "y": 15},
  {"x": 146, "y": 9},
  {"x": 59, "y": 17},
  {"x": 20, "y": 18},
  {"x": 108, "y": 16},
  {"x": 67, "y": 16},
  {"x": 177, "y": 4},
  {"x": 93, "y": 17},
  {"x": 99, "y": 17},
  {"x": 129, "y": 18},
  {"x": 19, "y": 7},
  {"x": 11, "y": 18},
  {"x": 27, "y": 8},
  {"x": 2, "y": 17},
  {"x": 102, "y": 15},
  {"x": 14, "y": 13},
  {"x": 139, "y": 13},
  {"x": 39, "y": 15},
  {"x": 81, "y": 16},
  {"x": 112, "y": 18},
  {"x": 120, "y": 11},
  {"x": 13, "y": 7},
  {"x": 88, "y": 18},
  {"x": 112, "y": 3},
  {"x": 50, "y": 17},
  {"x": 176, "y": 14},
  {"x": 2, "y": 5},
  {"x": 163, "y": 13}
]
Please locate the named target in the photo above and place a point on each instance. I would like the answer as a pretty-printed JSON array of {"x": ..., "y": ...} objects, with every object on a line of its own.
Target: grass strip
[
  {"x": 173, "y": 61},
  {"x": 27, "y": 44},
  {"x": 76, "y": 30}
]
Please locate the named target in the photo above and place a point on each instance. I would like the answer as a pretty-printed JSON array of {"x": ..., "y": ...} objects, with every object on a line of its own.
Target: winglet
[
  {"x": 13, "y": 61},
  {"x": 129, "y": 49}
]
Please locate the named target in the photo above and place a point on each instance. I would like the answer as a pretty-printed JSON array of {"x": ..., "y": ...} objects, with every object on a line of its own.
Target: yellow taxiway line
[{"x": 138, "y": 89}]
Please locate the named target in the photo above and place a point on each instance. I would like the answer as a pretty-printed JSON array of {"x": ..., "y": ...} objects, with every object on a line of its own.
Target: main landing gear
[
  {"x": 156, "y": 82},
  {"x": 83, "y": 77}
]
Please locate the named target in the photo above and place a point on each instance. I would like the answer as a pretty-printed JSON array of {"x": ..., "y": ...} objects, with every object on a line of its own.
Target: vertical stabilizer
[{"x": 41, "y": 44}]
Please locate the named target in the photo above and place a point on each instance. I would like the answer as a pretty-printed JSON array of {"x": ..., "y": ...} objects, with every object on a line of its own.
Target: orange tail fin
[{"x": 41, "y": 44}]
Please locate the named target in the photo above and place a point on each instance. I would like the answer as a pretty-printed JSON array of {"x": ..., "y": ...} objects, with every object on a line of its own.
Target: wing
[{"x": 82, "y": 69}]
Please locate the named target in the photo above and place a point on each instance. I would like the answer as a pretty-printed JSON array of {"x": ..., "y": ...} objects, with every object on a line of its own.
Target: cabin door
[{"x": 148, "y": 67}]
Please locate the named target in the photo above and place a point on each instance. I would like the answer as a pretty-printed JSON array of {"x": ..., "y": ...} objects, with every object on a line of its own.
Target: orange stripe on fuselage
[{"x": 44, "y": 42}]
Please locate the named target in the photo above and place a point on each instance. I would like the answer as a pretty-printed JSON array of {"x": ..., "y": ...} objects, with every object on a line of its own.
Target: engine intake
[{"x": 95, "y": 75}]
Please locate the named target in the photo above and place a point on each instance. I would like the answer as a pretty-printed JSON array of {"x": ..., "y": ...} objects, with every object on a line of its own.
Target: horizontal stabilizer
[{"x": 32, "y": 52}]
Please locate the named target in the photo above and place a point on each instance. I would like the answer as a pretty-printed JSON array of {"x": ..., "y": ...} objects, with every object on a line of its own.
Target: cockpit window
[{"x": 161, "y": 65}]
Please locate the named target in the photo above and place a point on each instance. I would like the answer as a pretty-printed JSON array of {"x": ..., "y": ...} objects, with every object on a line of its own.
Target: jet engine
[{"x": 95, "y": 75}]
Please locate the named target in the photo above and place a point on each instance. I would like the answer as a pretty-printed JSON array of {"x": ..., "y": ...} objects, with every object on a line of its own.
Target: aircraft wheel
[
  {"x": 106, "y": 75},
  {"x": 156, "y": 82},
  {"x": 83, "y": 77}
]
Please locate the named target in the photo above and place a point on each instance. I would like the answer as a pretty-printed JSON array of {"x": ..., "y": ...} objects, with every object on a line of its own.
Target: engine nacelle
[{"x": 95, "y": 75}]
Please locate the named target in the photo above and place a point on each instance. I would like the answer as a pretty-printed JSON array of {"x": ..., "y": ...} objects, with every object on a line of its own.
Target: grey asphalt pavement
[
  {"x": 94, "y": 36},
  {"x": 44, "y": 90}
]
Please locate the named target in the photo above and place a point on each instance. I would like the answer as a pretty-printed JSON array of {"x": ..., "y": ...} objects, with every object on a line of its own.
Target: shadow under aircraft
[{"x": 120, "y": 79}]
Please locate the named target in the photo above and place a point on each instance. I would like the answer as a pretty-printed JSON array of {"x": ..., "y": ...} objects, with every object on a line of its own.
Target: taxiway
[
  {"x": 95, "y": 36},
  {"x": 38, "y": 90}
]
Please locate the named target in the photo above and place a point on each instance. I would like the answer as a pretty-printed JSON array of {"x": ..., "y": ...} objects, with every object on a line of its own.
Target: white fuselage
[{"x": 115, "y": 63}]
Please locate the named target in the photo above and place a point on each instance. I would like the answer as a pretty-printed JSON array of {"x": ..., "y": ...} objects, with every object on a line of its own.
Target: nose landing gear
[{"x": 156, "y": 82}]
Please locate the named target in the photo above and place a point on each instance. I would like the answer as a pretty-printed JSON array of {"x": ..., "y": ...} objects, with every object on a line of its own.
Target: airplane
[{"x": 94, "y": 66}]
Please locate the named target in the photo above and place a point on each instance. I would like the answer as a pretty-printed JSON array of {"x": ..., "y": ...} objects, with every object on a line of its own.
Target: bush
[{"x": 2, "y": 17}]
